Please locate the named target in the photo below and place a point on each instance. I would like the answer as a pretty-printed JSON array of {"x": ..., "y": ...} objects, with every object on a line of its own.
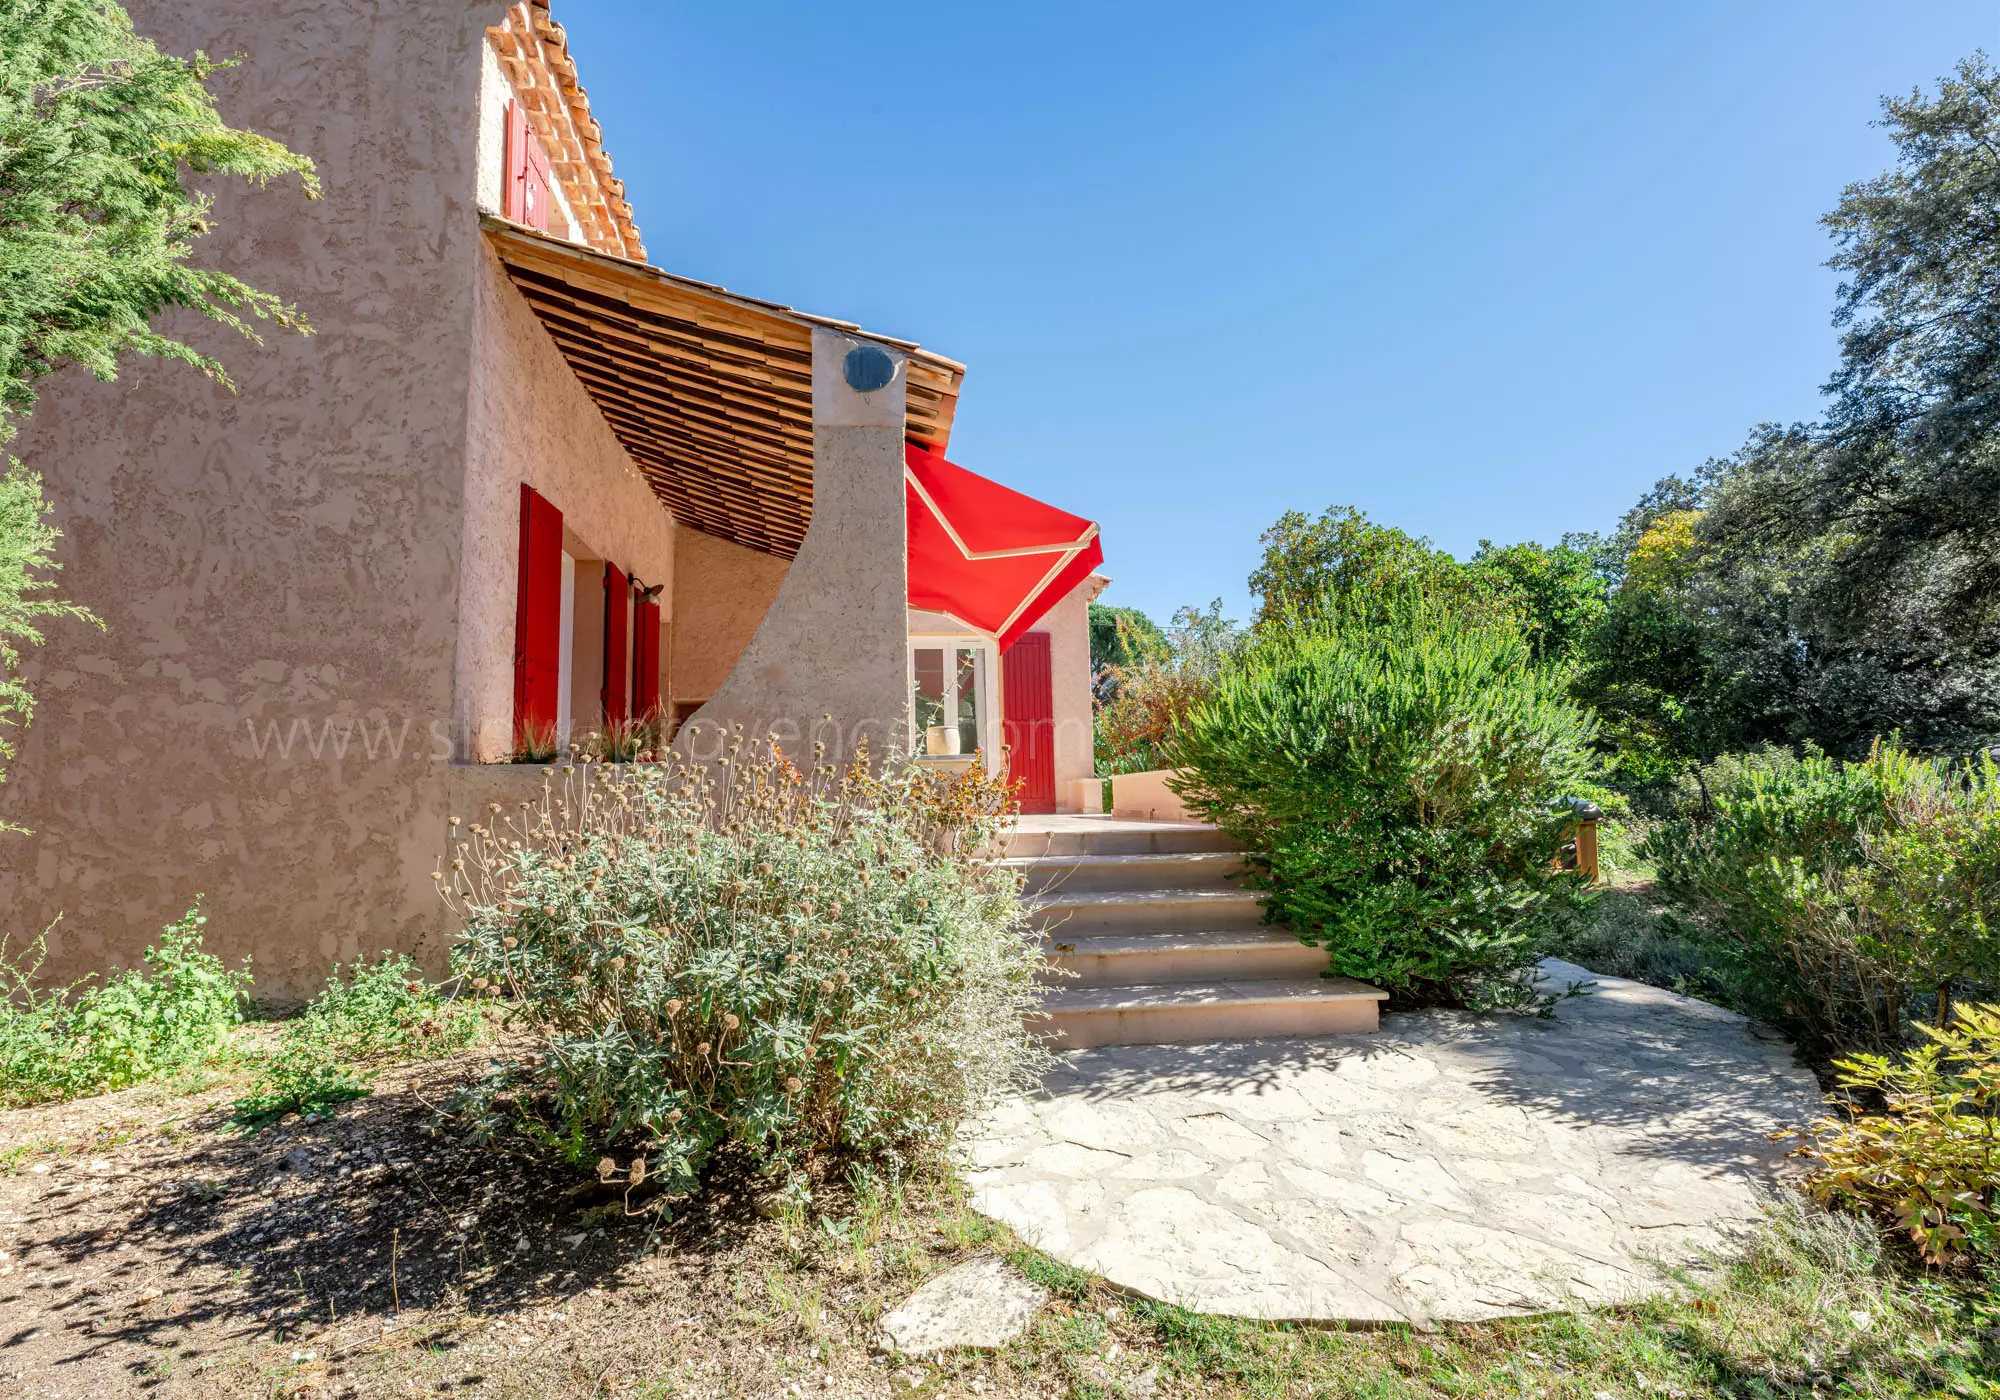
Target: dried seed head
[
  {"x": 510, "y": 942},
  {"x": 674, "y": 1007},
  {"x": 792, "y": 1084},
  {"x": 729, "y": 1021},
  {"x": 701, "y": 1049}
]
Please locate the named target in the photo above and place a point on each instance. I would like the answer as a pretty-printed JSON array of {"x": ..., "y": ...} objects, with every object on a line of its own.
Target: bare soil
[
  {"x": 148, "y": 1248},
  {"x": 151, "y": 1248}
]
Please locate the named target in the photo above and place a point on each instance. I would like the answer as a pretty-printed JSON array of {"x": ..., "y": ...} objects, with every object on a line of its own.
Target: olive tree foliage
[{"x": 99, "y": 132}]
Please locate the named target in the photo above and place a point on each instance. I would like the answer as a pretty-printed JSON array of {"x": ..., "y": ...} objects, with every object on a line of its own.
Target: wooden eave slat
[{"x": 709, "y": 392}]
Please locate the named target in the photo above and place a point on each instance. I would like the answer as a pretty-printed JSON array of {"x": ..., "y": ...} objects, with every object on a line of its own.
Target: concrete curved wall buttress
[{"x": 833, "y": 642}]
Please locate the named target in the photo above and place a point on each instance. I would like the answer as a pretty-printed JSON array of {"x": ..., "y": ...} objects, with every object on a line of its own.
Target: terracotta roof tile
[{"x": 534, "y": 54}]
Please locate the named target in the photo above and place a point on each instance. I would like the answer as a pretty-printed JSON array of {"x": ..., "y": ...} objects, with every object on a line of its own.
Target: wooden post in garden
[
  {"x": 1586, "y": 843},
  {"x": 1579, "y": 853}
]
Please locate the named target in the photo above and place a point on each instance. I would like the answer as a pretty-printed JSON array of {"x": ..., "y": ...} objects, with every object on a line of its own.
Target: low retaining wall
[{"x": 1146, "y": 797}]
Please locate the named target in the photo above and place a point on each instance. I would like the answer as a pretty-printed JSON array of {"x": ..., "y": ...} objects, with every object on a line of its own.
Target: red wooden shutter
[
  {"x": 524, "y": 194},
  {"x": 539, "y": 184},
  {"x": 617, "y": 605},
  {"x": 646, "y": 658},
  {"x": 514, "y": 179},
  {"x": 537, "y": 620},
  {"x": 1031, "y": 721}
]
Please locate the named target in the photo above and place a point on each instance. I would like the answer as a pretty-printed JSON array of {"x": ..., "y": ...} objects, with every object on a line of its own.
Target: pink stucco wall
[
  {"x": 530, "y": 420},
  {"x": 722, "y": 593},
  {"x": 266, "y": 718}
]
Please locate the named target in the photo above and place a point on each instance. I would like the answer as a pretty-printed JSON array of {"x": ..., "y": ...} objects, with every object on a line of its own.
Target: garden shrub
[
  {"x": 778, "y": 962},
  {"x": 69, "y": 1041},
  {"x": 1396, "y": 773},
  {"x": 1929, "y": 1161},
  {"x": 332, "y": 1051},
  {"x": 1852, "y": 895},
  {"x": 1142, "y": 705}
]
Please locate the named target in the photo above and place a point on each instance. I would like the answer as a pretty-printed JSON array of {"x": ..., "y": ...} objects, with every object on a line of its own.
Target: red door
[{"x": 1030, "y": 721}]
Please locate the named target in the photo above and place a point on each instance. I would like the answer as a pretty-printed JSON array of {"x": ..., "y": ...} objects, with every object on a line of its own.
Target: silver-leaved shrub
[{"x": 785, "y": 962}]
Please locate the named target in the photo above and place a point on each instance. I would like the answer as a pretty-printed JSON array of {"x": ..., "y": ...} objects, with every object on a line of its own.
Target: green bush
[
  {"x": 785, "y": 963},
  {"x": 66, "y": 1042},
  {"x": 1851, "y": 895},
  {"x": 332, "y": 1051},
  {"x": 1396, "y": 774},
  {"x": 1929, "y": 1162}
]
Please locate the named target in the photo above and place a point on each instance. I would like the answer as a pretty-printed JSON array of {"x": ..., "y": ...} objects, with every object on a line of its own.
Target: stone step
[
  {"x": 1104, "y": 836},
  {"x": 1079, "y": 1017},
  {"x": 1194, "y": 956},
  {"x": 1145, "y": 911},
  {"x": 1093, "y": 874}
]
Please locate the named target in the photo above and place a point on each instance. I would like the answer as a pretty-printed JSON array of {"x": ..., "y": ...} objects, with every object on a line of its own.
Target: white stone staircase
[{"x": 1163, "y": 943}]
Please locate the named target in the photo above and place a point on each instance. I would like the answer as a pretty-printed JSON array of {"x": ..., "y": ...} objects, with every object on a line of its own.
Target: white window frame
[
  {"x": 985, "y": 678},
  {"x": 566, "y": 651}
]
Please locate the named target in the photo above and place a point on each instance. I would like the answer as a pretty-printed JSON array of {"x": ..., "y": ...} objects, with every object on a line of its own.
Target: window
[{"x": 951, "y": 698}]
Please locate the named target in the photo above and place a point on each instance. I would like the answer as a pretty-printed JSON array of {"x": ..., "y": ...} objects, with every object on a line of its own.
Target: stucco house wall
[
  {"x": 531, "y": 421},
  {"x": 722, "y": 592},
  {"x": 265, "y": 717}
]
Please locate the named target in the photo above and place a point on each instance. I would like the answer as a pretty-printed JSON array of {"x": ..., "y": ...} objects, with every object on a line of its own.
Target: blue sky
[{"x": 1484, "y": 271}]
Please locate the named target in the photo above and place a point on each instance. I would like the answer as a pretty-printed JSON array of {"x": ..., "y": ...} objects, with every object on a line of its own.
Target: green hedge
[{"x": 1398, "y": 774}]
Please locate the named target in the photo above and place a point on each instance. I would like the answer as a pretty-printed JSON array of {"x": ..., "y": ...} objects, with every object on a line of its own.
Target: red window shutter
[
  {"x": 537, "y": 620},
  {"x": 524, "y": 192},
  {"x": 538, "y": 185},
  {"x": 646, "y": 658},
  {"x": 617, "y": 606},
  {"x": 514, "y": 175},
  {"x": 1029, "y": 683}
]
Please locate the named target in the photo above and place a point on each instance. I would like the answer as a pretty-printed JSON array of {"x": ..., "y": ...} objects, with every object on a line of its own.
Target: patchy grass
[
  {"x": 1632, "y": 931},
  {"x": 374, "y": 1254}
]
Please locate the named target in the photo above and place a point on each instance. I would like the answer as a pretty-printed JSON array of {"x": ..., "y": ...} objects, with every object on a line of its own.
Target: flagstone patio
[{"x": 1448, "y": 1167}]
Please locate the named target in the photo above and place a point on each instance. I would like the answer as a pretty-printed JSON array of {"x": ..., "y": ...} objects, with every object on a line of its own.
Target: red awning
[{"x": 989, "y": 556}]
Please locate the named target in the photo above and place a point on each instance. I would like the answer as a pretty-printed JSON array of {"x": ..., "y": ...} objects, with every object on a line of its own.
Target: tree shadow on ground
[
  {"x": 1668, "y": 1077},
  {"x": 378, "y": 1213}
]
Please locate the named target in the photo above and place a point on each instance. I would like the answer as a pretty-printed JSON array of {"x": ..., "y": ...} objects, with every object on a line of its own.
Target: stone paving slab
[
  {"x": 1448, "y": 1167},
  {"x": 980, "y": 1303}
]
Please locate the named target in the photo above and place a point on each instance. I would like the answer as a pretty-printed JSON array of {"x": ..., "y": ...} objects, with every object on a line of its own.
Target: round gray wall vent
[{"x": 868, "y": 368}]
